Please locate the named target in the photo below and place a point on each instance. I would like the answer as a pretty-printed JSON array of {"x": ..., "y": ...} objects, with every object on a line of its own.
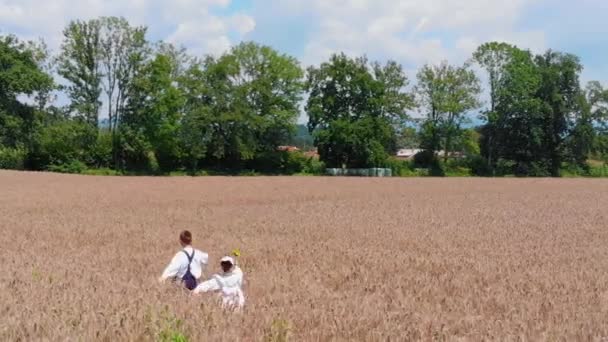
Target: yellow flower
[{"x": 236, "y": 252}]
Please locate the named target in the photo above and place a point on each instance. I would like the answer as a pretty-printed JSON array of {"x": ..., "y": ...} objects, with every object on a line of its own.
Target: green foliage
[
  {"x": 399, "y": 168},
  {"x": 100, "y": 155},
  {"x": 446, "y": 93},
  {"x": 155, "y": 109},
  {"x": 286, "y": 163},
  {"x": 101, "y": 172},
  {"x": 12, "y": 158},
  {"x": 72, "y": 166},
  {"x": 279, "y": 331},
  {"x": 167, "y": 327},
  {"x": 599, "y": 171},
  {"x": 479, "y": 166},
  {"x": 353, "y": 110},
  {"x": 21, "y": 76},
  {"x": 247, "y": 101},
  {"x": 136, "y": 153},
  {"x": 63, "y": 143},
  {"x": 408, "y": 137},
  {"x": 80, "y": 64},
  {"x": 425, "y": 159},
  {"x": 301, "y": 138},
  {"x": 168, "y": 111}
]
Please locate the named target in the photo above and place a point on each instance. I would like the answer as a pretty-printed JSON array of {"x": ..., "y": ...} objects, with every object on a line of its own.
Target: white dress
[{"x": 229, "y": 286}]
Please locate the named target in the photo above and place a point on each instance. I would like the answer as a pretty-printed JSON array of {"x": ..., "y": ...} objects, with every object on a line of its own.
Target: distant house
[
  {"x": 407, "y": 153},
  {"x": 312, "y": 154},
  {"x": 288, "y": 148}
]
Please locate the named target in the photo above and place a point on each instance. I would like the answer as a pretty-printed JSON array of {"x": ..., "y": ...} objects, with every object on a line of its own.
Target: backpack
[{"x": 188, "y": 279}]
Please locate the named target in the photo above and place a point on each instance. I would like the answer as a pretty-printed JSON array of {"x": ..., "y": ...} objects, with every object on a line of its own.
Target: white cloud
[
  {"x": 242, "y": 23},
  {"x": 410, "y": 31},
  {"x": 191, "y": 23}
]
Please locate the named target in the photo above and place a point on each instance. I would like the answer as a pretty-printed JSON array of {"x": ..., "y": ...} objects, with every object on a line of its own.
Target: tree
[
  {"x": 596, "y": 97},
  {"x": 21, "y": 75},
  {"x": 154, "y": 110},
  {"x": 101, "y": 54},
  {"x": 354, "y": 108},
  {"x": 248, "y": 99},
  {"x": 79, "y": 63},
  {"x": 493, "y": 57},
  {"x": 408, "y": 137},
  {"x": 448, "y": 93},
  {"x": 563, "y": 109},
  {"x": 518, "y": 127},
  {"x": 123, "y": 51}
]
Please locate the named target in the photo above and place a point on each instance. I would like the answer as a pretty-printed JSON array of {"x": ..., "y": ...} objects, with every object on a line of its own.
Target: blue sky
[{"x": 412, "y": 32}]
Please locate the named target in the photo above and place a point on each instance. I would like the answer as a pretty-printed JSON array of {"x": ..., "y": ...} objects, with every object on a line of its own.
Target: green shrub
[
  {"x": 74, "y": 166},
  {"x": 101, "y": 151},
  {"x": 101, "y": 172},
  {"x": 458, "y": 171},
  {"x": 505, "y": 167},
  {"x": 279, "y": 331},
  {"x": 294, "y": 162},
  {"x": 314, "y": 167},
  {"x": 478, "y": 165},
  {"x": 12, "y": 158},
  {"x": 426, "y": 159},
  {"x": 599, "y": 171}
]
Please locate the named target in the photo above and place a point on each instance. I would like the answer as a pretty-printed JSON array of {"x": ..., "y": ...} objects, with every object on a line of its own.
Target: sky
[{"x": 412, "y": 32}]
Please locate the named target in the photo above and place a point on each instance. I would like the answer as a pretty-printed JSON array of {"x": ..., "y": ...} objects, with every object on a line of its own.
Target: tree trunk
[{"x": 446, "y": 152}]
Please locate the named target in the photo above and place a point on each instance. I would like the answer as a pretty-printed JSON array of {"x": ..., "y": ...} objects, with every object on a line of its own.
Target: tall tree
[
  {"x": 448, "y": 93},
  {"x": 518, "y": 128},
  {"x": 80, "y": 64},
  {"x": 154, "y": 110},
  {"x": 98, "y": 55},
  {"x": 251, "y": 97},
  {"x": 20, "y": 75},
  {"x": 123, "y": 51},
  {"x": 354, "y": 108},
  {"x": 493, "y": 58},
  {"x": 561, "y": 93}
]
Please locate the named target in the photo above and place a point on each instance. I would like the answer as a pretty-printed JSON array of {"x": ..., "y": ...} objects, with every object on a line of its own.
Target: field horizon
[{"x": 324, "y": 258}]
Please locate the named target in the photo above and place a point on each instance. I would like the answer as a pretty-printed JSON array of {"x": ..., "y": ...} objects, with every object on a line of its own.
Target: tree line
[{"x": 136, "y": 106}]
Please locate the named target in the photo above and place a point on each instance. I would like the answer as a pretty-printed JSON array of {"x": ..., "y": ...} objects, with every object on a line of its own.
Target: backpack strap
[{"x": 190, "y": 257}]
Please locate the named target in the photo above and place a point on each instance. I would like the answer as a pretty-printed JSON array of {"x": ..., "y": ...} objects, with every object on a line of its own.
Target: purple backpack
[{"x": 188, "y": 279}]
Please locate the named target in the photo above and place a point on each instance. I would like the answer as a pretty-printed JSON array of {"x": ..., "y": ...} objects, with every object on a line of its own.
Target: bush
[
  {"x": 426, "y": 159},
  {"x": 101, "y": 172},
  {"x": 599, "y": 171},
  {"x": 137, "y": 154},
  {"x": 505, "y": 167},
  {"x": 479, "y": 166},
  {"x": 294, "y": 162},
  {"x": 458, "y": 171},
  {"x": 287, "y": 163},
  {"x": 101, "y": 151},
  {"x": 12, "y": 158},
  {"x": 74, "y": 166},
  {"x": 400, "y": 168}
]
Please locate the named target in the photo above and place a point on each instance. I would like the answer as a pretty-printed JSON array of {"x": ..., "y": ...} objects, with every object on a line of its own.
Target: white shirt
[
  {"x": 179, "y": 264},
  {"x": 230, "y": 286}
]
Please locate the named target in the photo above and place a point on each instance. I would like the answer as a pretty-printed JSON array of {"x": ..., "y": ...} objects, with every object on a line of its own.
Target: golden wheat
[{"x": 324, "y": 258}]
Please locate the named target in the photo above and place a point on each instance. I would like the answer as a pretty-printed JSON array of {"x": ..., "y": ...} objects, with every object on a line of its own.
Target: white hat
[{"x": 228, "y": 259}]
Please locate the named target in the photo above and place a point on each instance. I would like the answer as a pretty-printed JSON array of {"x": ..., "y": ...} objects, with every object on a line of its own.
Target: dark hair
[{"x": 185, "y": 237}]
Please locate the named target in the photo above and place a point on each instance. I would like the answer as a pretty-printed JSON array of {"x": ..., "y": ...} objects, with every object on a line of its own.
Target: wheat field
[{"x": 325, "y": 259}]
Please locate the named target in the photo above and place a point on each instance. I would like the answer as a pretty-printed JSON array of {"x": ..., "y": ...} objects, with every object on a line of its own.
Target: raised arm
[
  {"x": 172, "y": 269},
  {"x": 212, "y": 284}
]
